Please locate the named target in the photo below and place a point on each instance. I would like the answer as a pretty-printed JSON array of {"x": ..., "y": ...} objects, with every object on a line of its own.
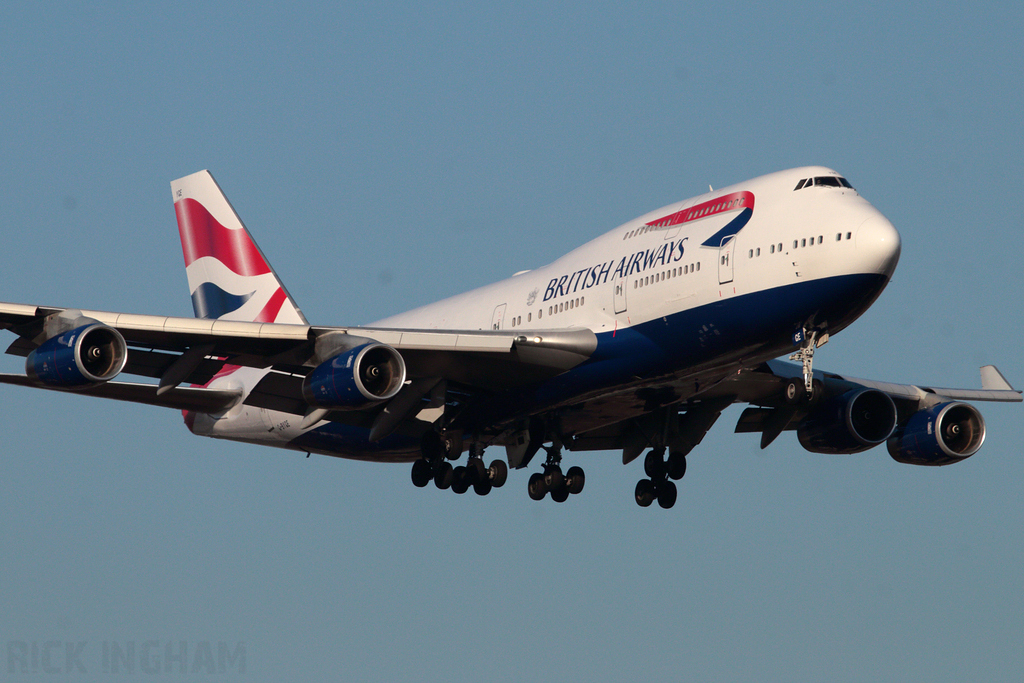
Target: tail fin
[{"x": 228, "y": 275}]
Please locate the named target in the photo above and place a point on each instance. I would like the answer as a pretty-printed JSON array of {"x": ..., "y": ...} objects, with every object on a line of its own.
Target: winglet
[{"x": 993, "y": 380}]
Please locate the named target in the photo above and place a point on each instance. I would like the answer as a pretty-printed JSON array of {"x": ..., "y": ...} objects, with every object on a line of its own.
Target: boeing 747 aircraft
[{"x": 635, "y": 341}]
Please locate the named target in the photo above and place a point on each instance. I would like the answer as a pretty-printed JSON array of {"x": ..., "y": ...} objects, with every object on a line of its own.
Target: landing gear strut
[
  {"x": 662, "y": 472},
  {"x": 552, "y": 481},
  {"x": 811, "y": 339},
  {"x": 434, "y": 466}
]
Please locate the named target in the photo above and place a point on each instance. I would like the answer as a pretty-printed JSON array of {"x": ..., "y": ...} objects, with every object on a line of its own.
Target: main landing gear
[
  {"x": 553, "y": 481},
  {"x": 662, "y": 472},
  {"x": 434, "y": 466}
]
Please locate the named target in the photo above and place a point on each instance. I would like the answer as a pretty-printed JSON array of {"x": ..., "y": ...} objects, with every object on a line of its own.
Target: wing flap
[{"x": 198, "y": 399}]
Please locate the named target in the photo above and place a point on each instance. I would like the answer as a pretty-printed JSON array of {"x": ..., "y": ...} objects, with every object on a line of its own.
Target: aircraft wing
[
  {"x": 626, "y": 420},
  {"x": 193, "y": 350},
  {"x": 199, "y": 399}
]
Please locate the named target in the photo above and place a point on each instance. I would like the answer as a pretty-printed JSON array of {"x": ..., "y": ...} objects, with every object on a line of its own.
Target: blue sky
[{"x": 388, "y": 155}]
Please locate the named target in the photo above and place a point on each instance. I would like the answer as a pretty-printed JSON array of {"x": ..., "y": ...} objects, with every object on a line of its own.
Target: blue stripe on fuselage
[
  {"x": 731, "y": 228},
  {"x": 749, "y": 326}
]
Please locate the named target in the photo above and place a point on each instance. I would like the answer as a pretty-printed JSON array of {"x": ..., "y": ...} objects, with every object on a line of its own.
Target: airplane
[{"x": 635, "y": 341}]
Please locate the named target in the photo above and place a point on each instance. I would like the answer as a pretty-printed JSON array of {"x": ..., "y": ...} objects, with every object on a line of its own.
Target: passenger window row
[{"x": 666, "y": 275}]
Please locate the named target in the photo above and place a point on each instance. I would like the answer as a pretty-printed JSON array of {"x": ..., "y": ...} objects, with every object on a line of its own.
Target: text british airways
[{"x": 639, "y": 262}]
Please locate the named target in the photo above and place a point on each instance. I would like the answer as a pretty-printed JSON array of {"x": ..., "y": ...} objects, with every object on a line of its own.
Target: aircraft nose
[{"x": 878, "y": 245}]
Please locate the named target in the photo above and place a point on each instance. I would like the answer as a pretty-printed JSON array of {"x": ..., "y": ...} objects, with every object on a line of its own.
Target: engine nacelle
[
  {"x": 941, "y": 435},
  {"x": 851, "y": 423},
  {"x": 357, "y": 378},
  {"x": 83, "y": 357}
]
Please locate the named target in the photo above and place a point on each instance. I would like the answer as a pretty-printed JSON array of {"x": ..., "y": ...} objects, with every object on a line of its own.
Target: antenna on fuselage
[{"x": 710, "y": 189}]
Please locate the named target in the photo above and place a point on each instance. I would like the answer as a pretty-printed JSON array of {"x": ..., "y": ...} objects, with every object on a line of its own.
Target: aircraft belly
[{"x": 743, "y": 330}]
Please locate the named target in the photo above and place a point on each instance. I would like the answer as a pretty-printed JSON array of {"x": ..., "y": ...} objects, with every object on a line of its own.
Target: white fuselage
[{"x": 726, "y": 275}]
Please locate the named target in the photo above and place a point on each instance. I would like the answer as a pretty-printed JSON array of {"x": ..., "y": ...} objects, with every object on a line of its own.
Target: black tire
[
  {"x": 560, "y": 495},
  {"x": 536, "y": 487},
  {"x": 444, "y": 476},
  {"x": 575, "y": 479},
  {"x": 667, "y": 494},
  {"x": 654, "y": 464},
  {"x": 676, "y": 465},
  {"x": 553, "y": 478},
  {"x": 421, "y": 473},
  {"x": 431, "y": 446},
  {"x": 451, "y": 446},
  {"x": 795, "y": 392},
  {"x": 482, "y": 488},
  {"x": 476, "y": 471},
  {"x": 460, "y": 482},
  {"x": 644, "y": 492},
  {"x": 498, "y": 473}
]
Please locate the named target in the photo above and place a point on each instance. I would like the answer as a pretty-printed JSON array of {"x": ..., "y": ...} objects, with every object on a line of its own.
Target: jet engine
[
  {"x": 83, "y": 357},
  {"x": 941, "y": 435},
  {"x": 357, "y": 378},
  {"x": 851, "y": 423}
]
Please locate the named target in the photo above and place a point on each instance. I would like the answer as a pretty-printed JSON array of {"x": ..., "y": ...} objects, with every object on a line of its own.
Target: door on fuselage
[
  {"x": 619, "y": 294},
  {"x": 725, "y": 259},
  {"x": 497, "y": 320}
]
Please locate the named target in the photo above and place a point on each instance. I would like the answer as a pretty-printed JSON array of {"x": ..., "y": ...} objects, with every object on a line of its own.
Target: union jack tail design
[{"x": 228, "y": 276}]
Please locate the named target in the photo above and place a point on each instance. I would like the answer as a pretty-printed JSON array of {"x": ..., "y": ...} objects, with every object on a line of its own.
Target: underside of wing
[{"x": 197, "y": 399}]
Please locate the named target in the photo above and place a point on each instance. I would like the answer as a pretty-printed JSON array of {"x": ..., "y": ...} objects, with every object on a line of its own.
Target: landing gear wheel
[
  {"x": 654, "y": 463},
  {"x": 460, "y": 480},
  {"x": 667, "y": 494},
  {"x": 476, "y": 471},
  {"x": 575, "y": 479},
  {"x": 794, "y": 392},
  {"x": 431, "y": 446},
  {"x": 644, "y": 492},
  {"x": 553, "y": 478},
  {"x": 498, "y": 473},
  {"x": 676, "y": 468},
  {"x": 561, "y": 494},
  {"x": 444, "y": 476},
  {"x": 536, "y": 487},
  {"x": 421, "y": 473},
  {"x": 482, "y": 488}
]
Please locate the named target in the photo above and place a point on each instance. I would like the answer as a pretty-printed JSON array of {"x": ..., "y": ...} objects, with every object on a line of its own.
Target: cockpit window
[{"x": 823, "y": 181}]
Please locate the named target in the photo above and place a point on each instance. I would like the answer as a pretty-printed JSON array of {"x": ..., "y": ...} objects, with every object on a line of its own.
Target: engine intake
[
  {"x": 856, "y": 421},
  {"x": 356, "y": 378},
  {"x": 941, "y": 435},
  {"x": 83, "y": 357}
]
